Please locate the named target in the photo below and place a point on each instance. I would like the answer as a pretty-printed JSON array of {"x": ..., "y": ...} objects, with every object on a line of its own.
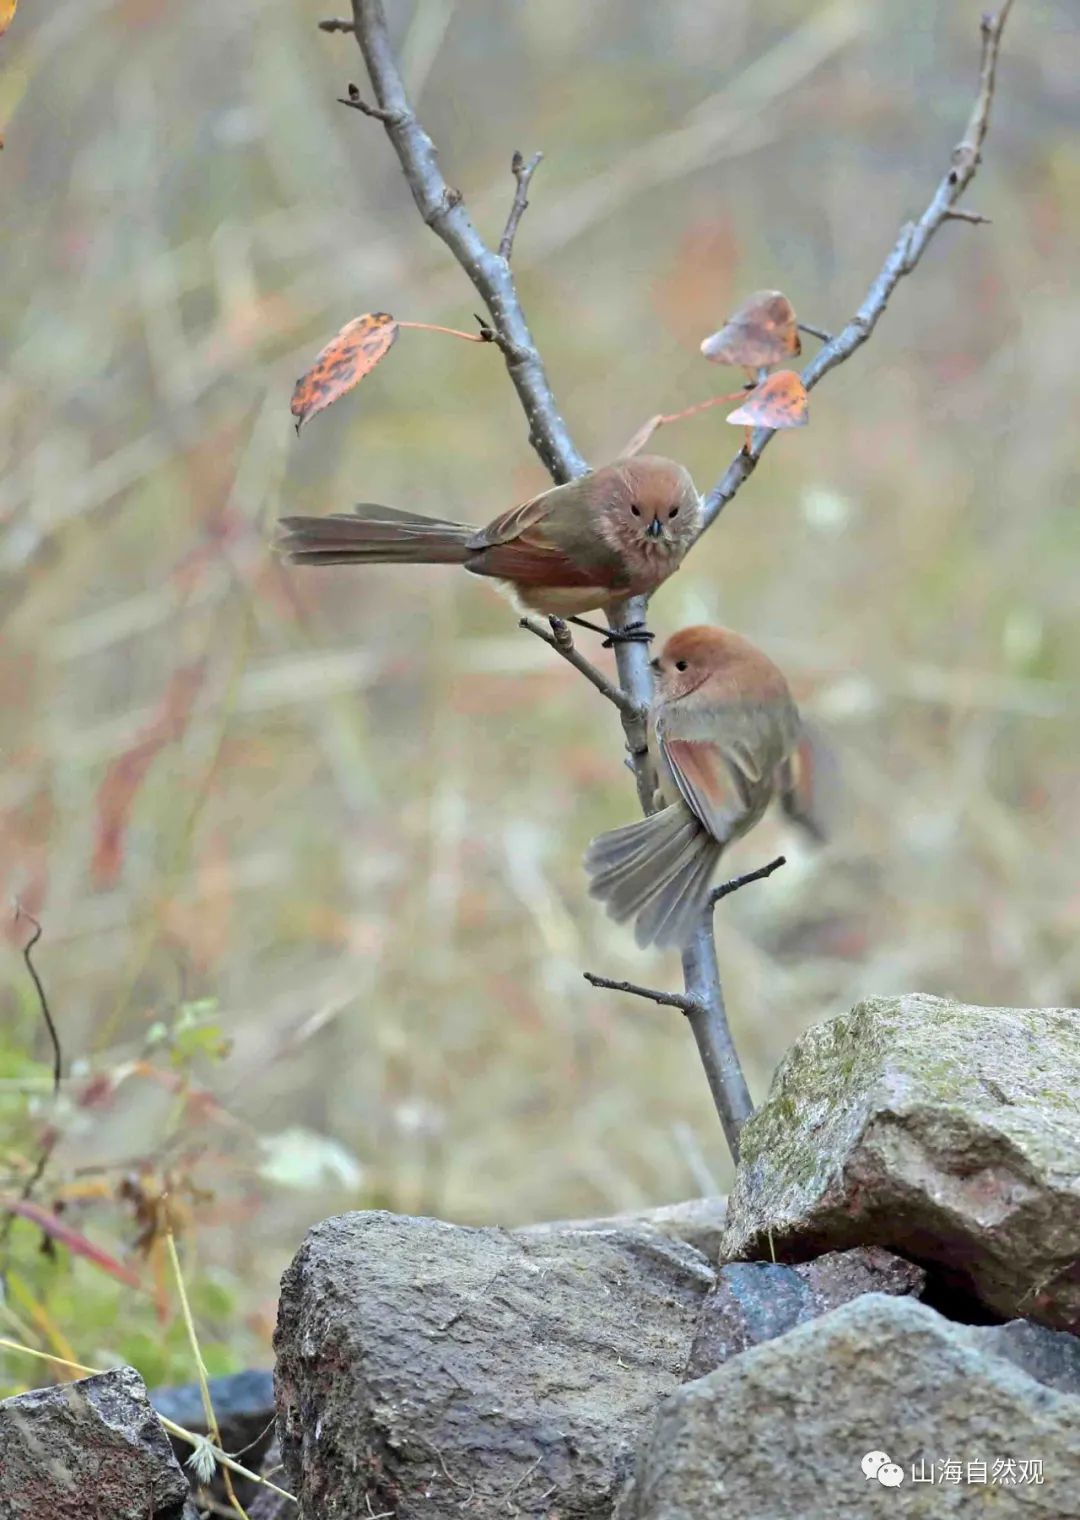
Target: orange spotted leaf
[
  {"x": 778, "y": 402},
  {"x": 344, "y": 362},
  {"x": 761, "y": 333},
  {"x": 7, "y": 14}
]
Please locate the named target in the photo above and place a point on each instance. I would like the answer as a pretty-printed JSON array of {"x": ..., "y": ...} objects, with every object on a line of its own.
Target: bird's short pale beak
[{"x": 655, "y": 528}]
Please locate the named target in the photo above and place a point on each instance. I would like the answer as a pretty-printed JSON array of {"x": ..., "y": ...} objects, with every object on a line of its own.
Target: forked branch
[{"x": 443, "y": 209}]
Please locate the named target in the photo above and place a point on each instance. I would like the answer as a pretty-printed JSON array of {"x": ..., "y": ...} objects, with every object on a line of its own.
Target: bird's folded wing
[
  {"x": 517, "y": 547},
  {"x": 512, "y": 524},
  {"x": 537, "y": 564},
  {"x": 705, "y": 783}
]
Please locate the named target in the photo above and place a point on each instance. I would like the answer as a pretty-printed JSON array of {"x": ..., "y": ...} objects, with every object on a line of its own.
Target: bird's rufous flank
[
  {"x": 616, "y": 532},
  {"x": 723, "y": 731}
]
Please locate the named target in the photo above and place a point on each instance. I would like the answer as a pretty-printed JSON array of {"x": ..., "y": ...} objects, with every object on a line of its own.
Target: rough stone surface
[
  {"x": 1050, "y": 1356},
  {"x": 88, "y": 1449},
  {"x": 433, "y": 1370},
  {"x": 755, "y": 1301},
  {"x": 948, "y": 1133},
  {"x": 780, "y": 1432},
  {"x": 698, "y": 1221}
]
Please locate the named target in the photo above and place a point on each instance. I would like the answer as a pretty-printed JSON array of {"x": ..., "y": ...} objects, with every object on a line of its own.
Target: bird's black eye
[
  {"x": 674, "y": 512},
  {"x": 635, "y": 509},
  {"x": 680, "y": 664}
]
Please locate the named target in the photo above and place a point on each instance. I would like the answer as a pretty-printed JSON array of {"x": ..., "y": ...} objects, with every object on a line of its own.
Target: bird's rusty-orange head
[
  {"x": 652, "y": 507},
  {"x": 694, "y": 655}
]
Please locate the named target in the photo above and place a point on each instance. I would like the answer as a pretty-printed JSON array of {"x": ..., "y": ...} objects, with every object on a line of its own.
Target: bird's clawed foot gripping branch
[{"x": 605, "y": 542}]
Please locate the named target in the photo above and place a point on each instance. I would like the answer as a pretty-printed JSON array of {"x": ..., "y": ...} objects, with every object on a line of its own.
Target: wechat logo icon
[{"x": 879, "y": 1465}]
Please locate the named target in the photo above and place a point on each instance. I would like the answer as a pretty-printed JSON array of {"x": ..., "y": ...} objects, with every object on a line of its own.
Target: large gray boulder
[
  {"x": 88, "y": 1449},
  {"x": 432, "y": 1370},
  {"x": 944, "y": 1132},
  {"x": 783, "y": 1430}
]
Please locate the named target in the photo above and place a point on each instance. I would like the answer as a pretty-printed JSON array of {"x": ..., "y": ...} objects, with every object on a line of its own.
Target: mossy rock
[{"x": 945, "y": 1132}]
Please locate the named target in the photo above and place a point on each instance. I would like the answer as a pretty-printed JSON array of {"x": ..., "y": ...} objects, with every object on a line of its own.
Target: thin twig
[
  {"x": 336, "y": 24},
  {"x": 904, "y": 256},
  {"x": 669, "y": 999},
  {"x": 960, "y": 215},
  {"x": 559, "y": 638},
  {"x": 523, "y": 173},
  {"x": 647, "y": 429},
  {"x": 356, "y": 101},
  {"x": 51, "y": 1136},
  {"x": 726, "y": 888},
  {"x": 815, "y": 332},
  {"x": 43, "y": 1002}
]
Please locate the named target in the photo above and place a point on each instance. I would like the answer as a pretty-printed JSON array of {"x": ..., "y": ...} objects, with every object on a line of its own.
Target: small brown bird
[
  {"x": 723, "y": 736},
  {"x": 581, "y": 547}
]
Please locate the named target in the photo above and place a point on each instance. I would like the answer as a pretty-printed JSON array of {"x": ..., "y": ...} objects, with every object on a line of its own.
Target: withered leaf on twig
[
  {"x": 778, "y": 402},
  {"x": 761, "y": 333},
  {"x": 344, "y": 362}
]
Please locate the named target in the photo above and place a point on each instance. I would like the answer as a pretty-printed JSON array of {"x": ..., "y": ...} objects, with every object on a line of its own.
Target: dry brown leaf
[
  {"x": 762, "y": 332},
  {"x": 344, "y": 362},
  {"x": 778, "y": 402}
]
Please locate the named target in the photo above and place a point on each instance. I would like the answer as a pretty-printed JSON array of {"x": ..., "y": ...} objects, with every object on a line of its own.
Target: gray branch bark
[
  {"x": 443, "y": 209},
  {"x": 903, "y": 257}
]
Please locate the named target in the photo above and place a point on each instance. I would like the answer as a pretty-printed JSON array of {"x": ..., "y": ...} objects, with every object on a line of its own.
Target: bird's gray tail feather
[
  {"x": 656, "y": 872},
  {"x": 377, "y": 535}
]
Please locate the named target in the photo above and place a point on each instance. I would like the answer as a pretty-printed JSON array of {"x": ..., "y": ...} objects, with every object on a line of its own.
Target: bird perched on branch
[
  {"x": 724, "y": 736},
  {"x": 581, "y": 547}
]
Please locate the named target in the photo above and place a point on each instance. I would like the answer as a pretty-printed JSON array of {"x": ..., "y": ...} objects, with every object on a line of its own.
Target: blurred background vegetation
[{"x": 305, "y": 846}]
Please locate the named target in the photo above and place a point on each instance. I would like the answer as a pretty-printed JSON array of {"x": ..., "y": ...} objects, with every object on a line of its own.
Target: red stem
[{"x": 452, "y": 331}]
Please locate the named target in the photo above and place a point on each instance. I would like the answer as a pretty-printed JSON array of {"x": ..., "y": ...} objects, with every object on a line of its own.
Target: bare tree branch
[
  {"x": 523, "y": 173},
  {"x": 556, "y": 635},
  {"x": 335, "y": 24},
  {"x": 443, "y": 209},
  {"x": 444, "y": 212},
  {"x": 904, "y": 256}
]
